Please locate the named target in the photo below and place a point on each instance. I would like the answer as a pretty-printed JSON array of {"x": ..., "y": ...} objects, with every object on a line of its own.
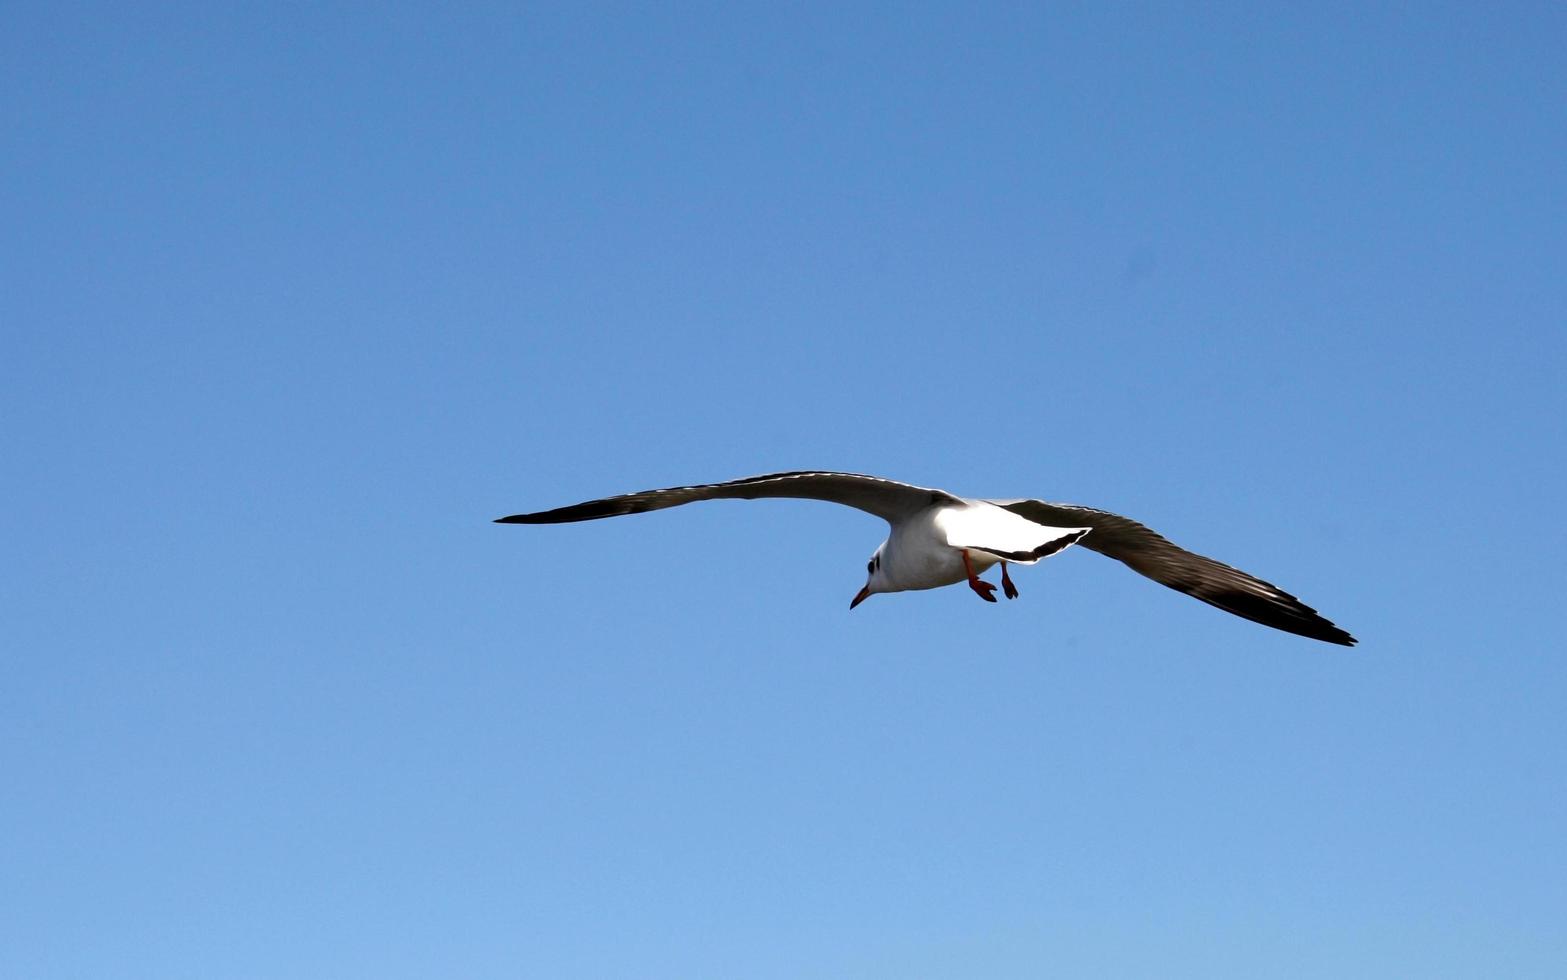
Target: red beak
[{"x": 864, "y": 594}]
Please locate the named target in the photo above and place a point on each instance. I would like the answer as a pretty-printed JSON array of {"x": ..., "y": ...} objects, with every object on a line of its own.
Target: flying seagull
[{"x": 940, "y": 539}]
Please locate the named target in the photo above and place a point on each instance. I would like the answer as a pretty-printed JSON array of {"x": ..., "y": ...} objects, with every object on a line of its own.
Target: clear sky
[{"x": 297, "y": 298}]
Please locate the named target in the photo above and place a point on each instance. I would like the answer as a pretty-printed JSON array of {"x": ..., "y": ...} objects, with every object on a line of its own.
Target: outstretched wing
[
  {"x": 887, "y": 499},
  {"x": 1213, "y": 582}
]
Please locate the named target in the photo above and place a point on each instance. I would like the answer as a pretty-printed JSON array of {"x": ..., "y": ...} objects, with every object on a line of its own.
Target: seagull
[{"x": 938, "y": 539}]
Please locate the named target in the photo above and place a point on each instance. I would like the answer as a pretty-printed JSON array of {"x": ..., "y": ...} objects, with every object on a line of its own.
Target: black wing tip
[
  {"x": 547, "y": 517},
  {"x": 590, "y": 511},
  {"x": 1328, "y": 633},
  {"x": 1314, "y": 628},
  {"x": 1278, "y": 610},
  {"x": 1302, "y": 620}
]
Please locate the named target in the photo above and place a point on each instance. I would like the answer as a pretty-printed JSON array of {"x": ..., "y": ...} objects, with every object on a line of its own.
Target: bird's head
[{"x": 875, "y": 580}]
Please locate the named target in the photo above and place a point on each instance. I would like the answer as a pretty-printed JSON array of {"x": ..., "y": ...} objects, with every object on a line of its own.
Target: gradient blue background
[{"x": 298, "y": 298}]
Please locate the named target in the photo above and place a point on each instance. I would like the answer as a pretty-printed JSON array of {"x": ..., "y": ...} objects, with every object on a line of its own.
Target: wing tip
[
  {"x": 1276, "y": 609},
  {"x": 1317, "y": 628},
  {"x": 1313, "y": 625}
]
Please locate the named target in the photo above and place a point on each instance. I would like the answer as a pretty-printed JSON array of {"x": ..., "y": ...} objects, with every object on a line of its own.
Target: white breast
[{"x": 917, "y": 556}]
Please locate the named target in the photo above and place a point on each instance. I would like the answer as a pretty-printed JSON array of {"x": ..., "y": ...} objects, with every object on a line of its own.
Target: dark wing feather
[
  {"x": 1213, "y": 582},
  {"x": 887, "y": 499}
]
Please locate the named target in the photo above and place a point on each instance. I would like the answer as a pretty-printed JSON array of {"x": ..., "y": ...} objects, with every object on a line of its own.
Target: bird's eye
[{"x": 870, "y": 566}]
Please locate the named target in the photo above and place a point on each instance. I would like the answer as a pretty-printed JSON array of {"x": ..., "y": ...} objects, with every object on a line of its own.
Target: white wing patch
[{"x": 983, "y": 526}]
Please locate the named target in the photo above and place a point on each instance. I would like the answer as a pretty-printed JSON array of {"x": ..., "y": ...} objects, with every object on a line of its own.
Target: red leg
[
  {"x": 1006, "y": 583},
  {"x": 985, "y": 590}
]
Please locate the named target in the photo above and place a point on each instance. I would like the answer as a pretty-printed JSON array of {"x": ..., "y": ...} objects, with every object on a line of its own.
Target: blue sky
[{"x": 297, "y": 299}]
